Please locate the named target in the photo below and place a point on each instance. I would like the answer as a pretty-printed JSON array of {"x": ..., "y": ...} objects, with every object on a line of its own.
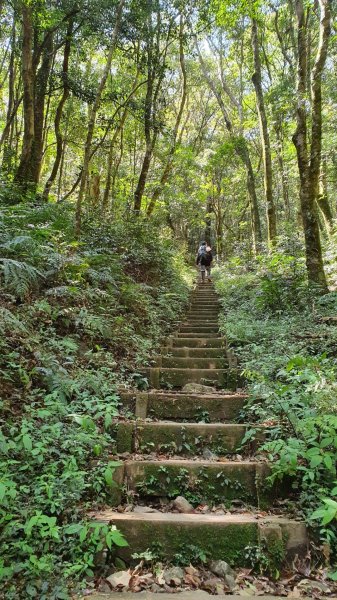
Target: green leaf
[
  {"x": 328, "y": 461},
  {"x": 73, "y": 528},
  {"x": 27, "y": 442},
  {"x": 315, "y": 461},
  {"x": 116, "y": 537},
  {"x": 2, "y": 491}
]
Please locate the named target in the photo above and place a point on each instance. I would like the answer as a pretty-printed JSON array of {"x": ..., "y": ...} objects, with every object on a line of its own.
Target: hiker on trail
[{"x": 204, "y": 259}]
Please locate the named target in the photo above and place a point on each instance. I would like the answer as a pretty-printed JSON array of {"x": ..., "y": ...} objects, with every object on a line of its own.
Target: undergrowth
[
  {"x": 287, "y": 348},
  {"x": 77, "y": 319}
]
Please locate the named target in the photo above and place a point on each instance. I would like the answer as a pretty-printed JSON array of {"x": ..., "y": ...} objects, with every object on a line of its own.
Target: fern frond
[
  {"x": 9, "y": 323},
  {"x": 19, "y": 277}
]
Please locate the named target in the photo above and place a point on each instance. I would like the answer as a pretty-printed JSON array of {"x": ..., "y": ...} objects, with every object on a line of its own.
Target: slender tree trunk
[
  {"x": 208, "y": 220},
  {"x": 267, "y": 161},
  {"x": 282, "y": 168},
  {"x": 41, "y": 83},
  {"x": 323, "y": 200},
  {"x": 92, "y": 118},
  {"x": 22, "y": 174},
  {"x": 309, "y": 160},
  {"x": 59, "y": 112},
  {"x": 150, "y": 138},
  {"x": 241, "y": 150},
  {"x": 169, "y": 163},
  {"x": 6, "y": 162}
]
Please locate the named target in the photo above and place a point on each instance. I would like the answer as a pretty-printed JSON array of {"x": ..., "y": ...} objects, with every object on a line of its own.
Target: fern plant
[
  {"x": 19, "y": 277},
  {"x": 9, "y": 323}
]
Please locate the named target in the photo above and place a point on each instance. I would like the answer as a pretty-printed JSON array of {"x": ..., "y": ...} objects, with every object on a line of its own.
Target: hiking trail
[{"x": 188, "y": 444}]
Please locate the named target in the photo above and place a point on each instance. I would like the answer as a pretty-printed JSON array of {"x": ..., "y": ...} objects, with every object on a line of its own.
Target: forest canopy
[{"x": 196, "y": 114}]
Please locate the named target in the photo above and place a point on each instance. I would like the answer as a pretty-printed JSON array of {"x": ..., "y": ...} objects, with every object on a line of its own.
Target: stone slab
[
  {"x": 189, "y": 438},
  {"x": 178, "y": 377},
  {"x": 190, "y": 362},
  {"x": 211, "y": 482},
  {"x": 194, "y": 352},
  {"x": 199, "y": 342},
  {"x": 163, "y": 405},
  {"x": 223, "y": 537}
]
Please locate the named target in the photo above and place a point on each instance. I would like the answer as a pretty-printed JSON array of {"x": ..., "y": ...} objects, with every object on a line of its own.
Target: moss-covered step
[
  {"x": 189, "y": 439},
  {"x": 199, "y": 328},
  {"x": 199, "y": 318},
  {"x": 194, "y": 352},
  {"x": 204, "y": 306},
  {"x": 200, "y": 481},
  {"x": 220, "y": 537},
  {"x": 161, "y": 377},
  {"x": 179, "y": 405},
  {"x": 177, "y": 378},
  {"x": 198, "y": 342},
  {"x": 165, "y": 405},
  {"x": 181, "y": 362},
  {"x": 197, "y": 334}
]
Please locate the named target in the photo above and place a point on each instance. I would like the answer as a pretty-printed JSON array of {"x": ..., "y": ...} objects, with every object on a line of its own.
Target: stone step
[
  {"x": 201, "y": 319},
  {"x": 197, "y": 334},
  {"x": 211, "y": 300},
  {"x": 203, "y": 315},
  {"x": 220, "y": 537},
  {"x": 182, "y": 362},
  {"x": 204, "y": 295},
  {"x": 198, "y": 342},
  {"x": 200, "y": 481},
  {"x": 179, "y": 405},
  {"x": 196, "y": 323},
  {"x": 188, "y": 439},
  {"x": 177, "y": 378},
  {"x": 194, "y": 352},
  {"x": 204, "y": 306}
]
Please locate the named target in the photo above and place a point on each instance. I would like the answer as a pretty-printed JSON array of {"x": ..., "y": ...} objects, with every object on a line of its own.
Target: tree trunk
[
  {"x": 265, "y": 140},
  {"x": 309, "y": 160},
  {"x": 7, "y": 152},
  {"x": 59, "y": 112},
  {"x": 323, "y": 200},
  {"x": 22, "y": 174},
  {"x": 92, "y": 119},
  {"x": 41, "y": 83},
  {"x": 241, "y": 150},
  {"x": 282, "y": 168},
  {"x": 208, "y": 220},
  {"x": 169, "y": 164},
  {"x": 148, "y": 124}
]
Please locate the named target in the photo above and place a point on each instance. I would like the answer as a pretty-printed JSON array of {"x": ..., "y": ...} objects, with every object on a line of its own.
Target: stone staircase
[{"x": 186, "y": 443}]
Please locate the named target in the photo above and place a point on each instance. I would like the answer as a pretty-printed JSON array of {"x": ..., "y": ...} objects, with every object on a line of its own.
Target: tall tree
[
  {"x": 92, "y": 116},
  {"x": 309, "y": 150},
  {"x": 265, "y": 138}
]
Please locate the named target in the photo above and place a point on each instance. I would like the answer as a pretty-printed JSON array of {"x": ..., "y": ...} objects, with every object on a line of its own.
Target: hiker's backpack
[{"x": 202, "y": 254}]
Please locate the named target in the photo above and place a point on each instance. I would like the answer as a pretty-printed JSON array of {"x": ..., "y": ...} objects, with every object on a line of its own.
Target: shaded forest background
[{"x": 194, "y": 115}]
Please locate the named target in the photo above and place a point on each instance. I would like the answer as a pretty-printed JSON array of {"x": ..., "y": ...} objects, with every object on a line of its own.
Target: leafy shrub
[
  {"x": 287, "y": 353},
  {"x": 76, "y": 318}
]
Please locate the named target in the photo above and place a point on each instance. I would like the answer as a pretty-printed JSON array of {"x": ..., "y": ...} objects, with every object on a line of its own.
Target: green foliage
[
  {"x": 287, "y": 353},
  {"x": 75, "y": 320}
]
